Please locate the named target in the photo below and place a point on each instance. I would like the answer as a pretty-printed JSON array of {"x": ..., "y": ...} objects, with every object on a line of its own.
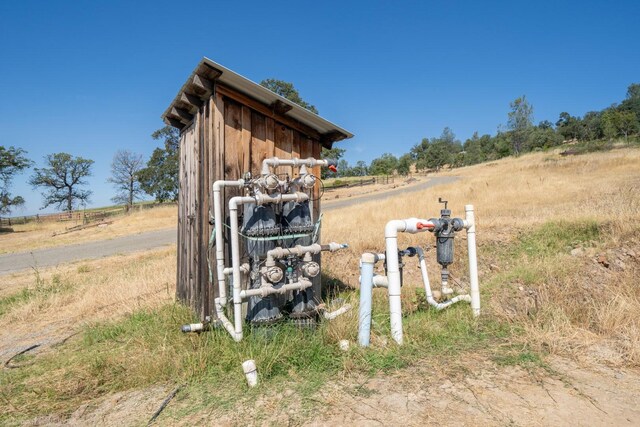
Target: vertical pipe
[
  {"x": 218, "y": 219},
  {"x": 473, "y": 260},
  {"x": 393, "y": 273},
  {"x": 425, "y": 277},
  {"x": 235, "y": 262},
  {"x": 235, "y": 250},
  {"x": 366, "y": 289}
]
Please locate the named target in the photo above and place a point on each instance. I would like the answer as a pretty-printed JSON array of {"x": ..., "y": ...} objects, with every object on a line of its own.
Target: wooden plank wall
[{"x": 226, "y": 139}]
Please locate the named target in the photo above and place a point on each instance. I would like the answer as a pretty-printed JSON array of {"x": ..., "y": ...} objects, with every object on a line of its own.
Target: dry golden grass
[
  {"x": 40, "y": 235},
  {"x": 62, "y": 298},
  {"x": 514, "y": 193},
  {"x": 565, "y": 304}
]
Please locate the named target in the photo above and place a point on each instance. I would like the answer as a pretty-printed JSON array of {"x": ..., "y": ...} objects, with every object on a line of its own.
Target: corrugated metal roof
[{"x": 259, "y": 93}]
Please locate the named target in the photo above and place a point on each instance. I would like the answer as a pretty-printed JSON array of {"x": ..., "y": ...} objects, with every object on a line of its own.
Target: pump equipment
[
  {"x": 444, "y": 230},
  {"x": 273, "y": 236}
]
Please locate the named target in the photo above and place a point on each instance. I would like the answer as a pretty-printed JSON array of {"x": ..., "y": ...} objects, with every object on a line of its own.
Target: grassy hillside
[{"x": 558, "y": 252}]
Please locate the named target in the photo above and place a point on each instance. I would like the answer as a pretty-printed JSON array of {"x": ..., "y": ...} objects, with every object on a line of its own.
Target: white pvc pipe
[
  {"x": 380, "y": 281},
  {"x": 470, "y": 225},
  {"x": 315, "y": 248},
  {"x": 275, "y": 162},
  {"x": 367, "y": 263},
  {"x": 235, "y": 260},
  {"x": 410, "y": 225},
  {"x": 218, "y": 220},
  {"x": 393, "y": 275},
  {"x": 429, "y": 294},
  {"x": 234, "y": 202},
  {"x": 264, "y": 291},
  {"x": 250, "y": 372},
  {"x": 330, "y": 315},
  {"x": 225, "y": 322}
]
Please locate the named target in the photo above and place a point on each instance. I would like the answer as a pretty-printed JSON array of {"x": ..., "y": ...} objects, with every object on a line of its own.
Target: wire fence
[
  {"x": 80, "y": 216},
  {"x": 386, "y": 179}
]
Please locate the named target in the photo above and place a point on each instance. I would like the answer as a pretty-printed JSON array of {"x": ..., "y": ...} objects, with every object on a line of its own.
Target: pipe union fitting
[
  {"x": 269, "y": 182},
  {"x": 311, "y": 269},
  {"x": 273, "y": 274},
  {"x": 308, "y": 181}
]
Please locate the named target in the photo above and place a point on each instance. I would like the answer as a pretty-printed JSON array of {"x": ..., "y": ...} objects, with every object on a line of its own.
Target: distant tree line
[{"x": 521, "y": 135}]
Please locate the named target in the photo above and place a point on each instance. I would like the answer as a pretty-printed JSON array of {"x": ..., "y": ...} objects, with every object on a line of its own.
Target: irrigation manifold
[
  {"x": 444, "y": 230},
  {"x": 270, "y": 271}
]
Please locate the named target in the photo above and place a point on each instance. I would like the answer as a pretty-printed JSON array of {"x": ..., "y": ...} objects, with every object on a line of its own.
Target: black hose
[
  {"x": 8, "y": 364},
  {"x": 164, "y": 404}
]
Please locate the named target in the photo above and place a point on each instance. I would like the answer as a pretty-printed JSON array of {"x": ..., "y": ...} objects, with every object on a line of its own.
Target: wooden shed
[{"x": 228, "y": 125}]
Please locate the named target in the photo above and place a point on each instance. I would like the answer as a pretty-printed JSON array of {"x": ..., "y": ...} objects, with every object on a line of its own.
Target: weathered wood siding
[{"x": 228, "y": 137}]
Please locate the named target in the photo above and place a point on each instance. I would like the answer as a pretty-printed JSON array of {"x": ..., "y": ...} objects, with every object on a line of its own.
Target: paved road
[
  {"x": 420, "y": 186},
  {"x": 98, "y": 249},
  {"x": 139, "y": 242}
]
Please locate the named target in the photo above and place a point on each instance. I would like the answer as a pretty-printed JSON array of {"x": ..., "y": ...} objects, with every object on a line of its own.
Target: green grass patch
[
  {"x": 147, "y": 348},
  {"x": 525, "y": 358},
  {"x": 557, "y": 236}
]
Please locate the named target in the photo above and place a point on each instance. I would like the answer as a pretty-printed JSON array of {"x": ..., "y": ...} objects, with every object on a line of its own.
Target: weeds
[
  {"x": 147, "y": 348},
  {"x": 41, "y": 290},
  {"x": 540, "y": 300},
  {"x": 524, "y": 358},
  {"x": 557, "y": 237}
]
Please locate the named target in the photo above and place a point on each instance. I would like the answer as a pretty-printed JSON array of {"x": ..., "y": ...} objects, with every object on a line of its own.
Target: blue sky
[{"x": 90, "y": 78}]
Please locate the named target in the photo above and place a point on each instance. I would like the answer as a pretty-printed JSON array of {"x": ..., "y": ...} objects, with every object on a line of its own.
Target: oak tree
[
  {"x": 124, "y": 176},
  {"x": 12, "y": 162},
  {"x": 62, "y": 180}
]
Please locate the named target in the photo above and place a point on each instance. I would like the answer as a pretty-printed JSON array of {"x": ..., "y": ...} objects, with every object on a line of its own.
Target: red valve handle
[
  {"x": 333, "y": 169},
  {"x": 422, "y": 225}
]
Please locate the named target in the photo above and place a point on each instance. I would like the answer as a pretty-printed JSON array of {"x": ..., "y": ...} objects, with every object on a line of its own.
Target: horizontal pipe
[
  {"x": 380, "y": 281},
  {"x": 277, "y": 253},
  {"x": 273, "y": 162},
  {"x": 330, "y": 315},
  {"x": 265, "y": 291},
  {"x": 193, "y": 327}
]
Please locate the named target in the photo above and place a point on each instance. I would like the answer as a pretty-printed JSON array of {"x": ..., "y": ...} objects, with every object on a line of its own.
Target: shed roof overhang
[{"x": 200, "y": 85}]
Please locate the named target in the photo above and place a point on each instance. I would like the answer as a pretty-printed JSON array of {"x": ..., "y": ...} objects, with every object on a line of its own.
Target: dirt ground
[
  {"x": 475, "y": 392},
  {"x": 491, "y": 395}
]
